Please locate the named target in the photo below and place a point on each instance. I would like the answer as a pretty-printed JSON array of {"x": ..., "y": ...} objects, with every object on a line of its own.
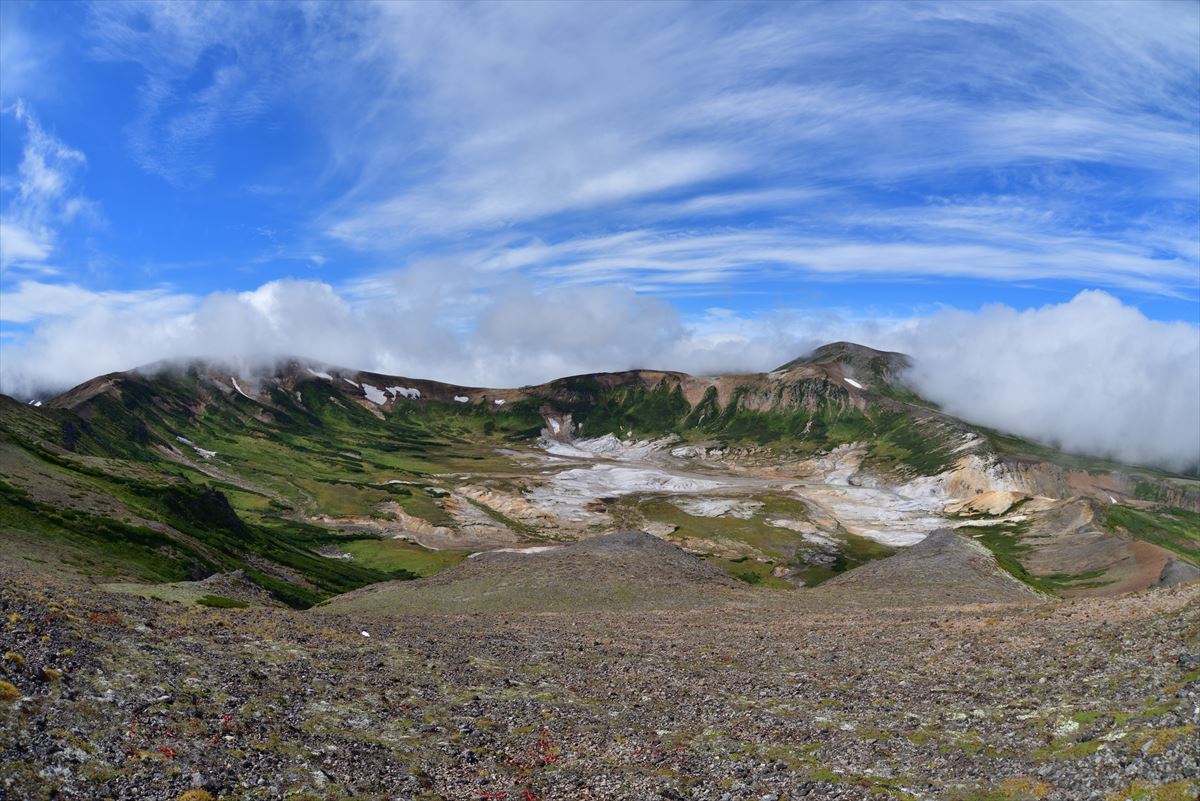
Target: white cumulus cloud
[{"x": 1091, "y": 375}]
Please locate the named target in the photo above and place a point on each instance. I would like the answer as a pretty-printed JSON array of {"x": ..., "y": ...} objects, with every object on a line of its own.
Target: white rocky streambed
[
  {"x": 877, "y": 514},
  {"x": 583, "y": 471}
]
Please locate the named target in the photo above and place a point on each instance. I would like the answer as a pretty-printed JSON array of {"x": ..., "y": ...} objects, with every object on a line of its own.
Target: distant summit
[{"x": 866, "y": 365}]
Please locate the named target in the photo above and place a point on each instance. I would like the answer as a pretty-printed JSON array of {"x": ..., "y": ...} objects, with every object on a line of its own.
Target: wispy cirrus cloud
[
  {"x": 206, "y": 67},
  {"x": 19, "y": 55},
  {"x": 925, "y": 94},
  {"x": 22, "y": 247},
  {"x": 445, "y": 125},
  {"x": 970, "y": 242},
  {"x": 41, "y": 197},
  {"x": 36, "y": 301}
]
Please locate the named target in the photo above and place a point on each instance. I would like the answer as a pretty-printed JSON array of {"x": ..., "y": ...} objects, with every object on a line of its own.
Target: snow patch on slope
[
  {"x": 205, "y": 453},
  {"x": 882, "y": 515}
]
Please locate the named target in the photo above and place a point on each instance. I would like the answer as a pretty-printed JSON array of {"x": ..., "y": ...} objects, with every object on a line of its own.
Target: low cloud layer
[{"x": 1091, "y": 375}]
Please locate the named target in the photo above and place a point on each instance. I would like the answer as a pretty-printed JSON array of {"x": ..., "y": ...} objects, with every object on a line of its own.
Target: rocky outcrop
[{"x": 1177, "y": 571}]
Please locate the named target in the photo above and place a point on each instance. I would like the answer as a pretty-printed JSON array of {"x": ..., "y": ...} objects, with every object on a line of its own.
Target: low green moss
[
  {"x": 400, "y": 559},
  {"x": 221, "y": 602}
]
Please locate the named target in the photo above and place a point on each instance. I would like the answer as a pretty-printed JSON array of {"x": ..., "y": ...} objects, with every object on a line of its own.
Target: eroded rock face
[
  {"x": 836, "y": 467},
  {"x": 1064, "y": 542},
  {"x": 475, "y": 526},
  {"x": 510, "y": 505},
  {"x": 417, "y": 527},
  {"x": 559, "y": 426},
  {"x": 986, "y": 503},
  {"x": 986, "y": 472},
  {"x": 1176, "y": 571}
]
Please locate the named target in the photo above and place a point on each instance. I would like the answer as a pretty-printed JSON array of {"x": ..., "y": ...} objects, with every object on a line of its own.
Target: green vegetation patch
[
  {"x": 204, "y": 535},
  {"x": 812, "y": 416},
  {"x": 855, "y": 552},
  {"x": 1151, "y": 481},
  {"x": 398, "y": 556},
  {"x": 625, "y": 409},
  {"x": 771, "y": 541},
  {"x": 1143, "y": 790},
  {"x": 753, "y": 572},
  {"x": 1007, "y": 543},
  {"x": 1177, "y": 530}
]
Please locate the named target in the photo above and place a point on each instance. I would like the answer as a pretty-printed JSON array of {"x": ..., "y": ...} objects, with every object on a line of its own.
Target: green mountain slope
[{"x": 302, "y": 474}]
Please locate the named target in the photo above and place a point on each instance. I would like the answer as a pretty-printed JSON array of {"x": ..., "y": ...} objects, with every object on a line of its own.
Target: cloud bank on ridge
[{"x": 1090, "y": 375}]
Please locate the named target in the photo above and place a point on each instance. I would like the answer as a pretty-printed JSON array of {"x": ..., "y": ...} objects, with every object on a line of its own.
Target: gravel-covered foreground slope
[{"x": 803, "y": 696}]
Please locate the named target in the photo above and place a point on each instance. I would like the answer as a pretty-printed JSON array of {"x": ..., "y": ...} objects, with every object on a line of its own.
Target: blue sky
[{"x": 715, "y": 169}]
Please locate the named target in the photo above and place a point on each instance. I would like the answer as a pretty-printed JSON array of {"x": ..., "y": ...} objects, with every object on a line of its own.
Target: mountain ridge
[
  {"x": 835, "y": 364},
  {"x": 338, "y": 478}
]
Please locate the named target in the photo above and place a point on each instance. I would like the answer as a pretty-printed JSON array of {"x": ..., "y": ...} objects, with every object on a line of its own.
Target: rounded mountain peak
[{"x": 875, "y": 366}]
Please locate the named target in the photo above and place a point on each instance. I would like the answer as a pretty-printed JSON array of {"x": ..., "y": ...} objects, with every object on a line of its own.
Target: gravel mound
[
  {"x": 627, "y": 570},
  {"x": 943, "y": 569}
]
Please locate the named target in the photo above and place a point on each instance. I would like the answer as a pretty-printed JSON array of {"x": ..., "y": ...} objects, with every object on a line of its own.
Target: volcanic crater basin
[{"x": 585, "y": 471}]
